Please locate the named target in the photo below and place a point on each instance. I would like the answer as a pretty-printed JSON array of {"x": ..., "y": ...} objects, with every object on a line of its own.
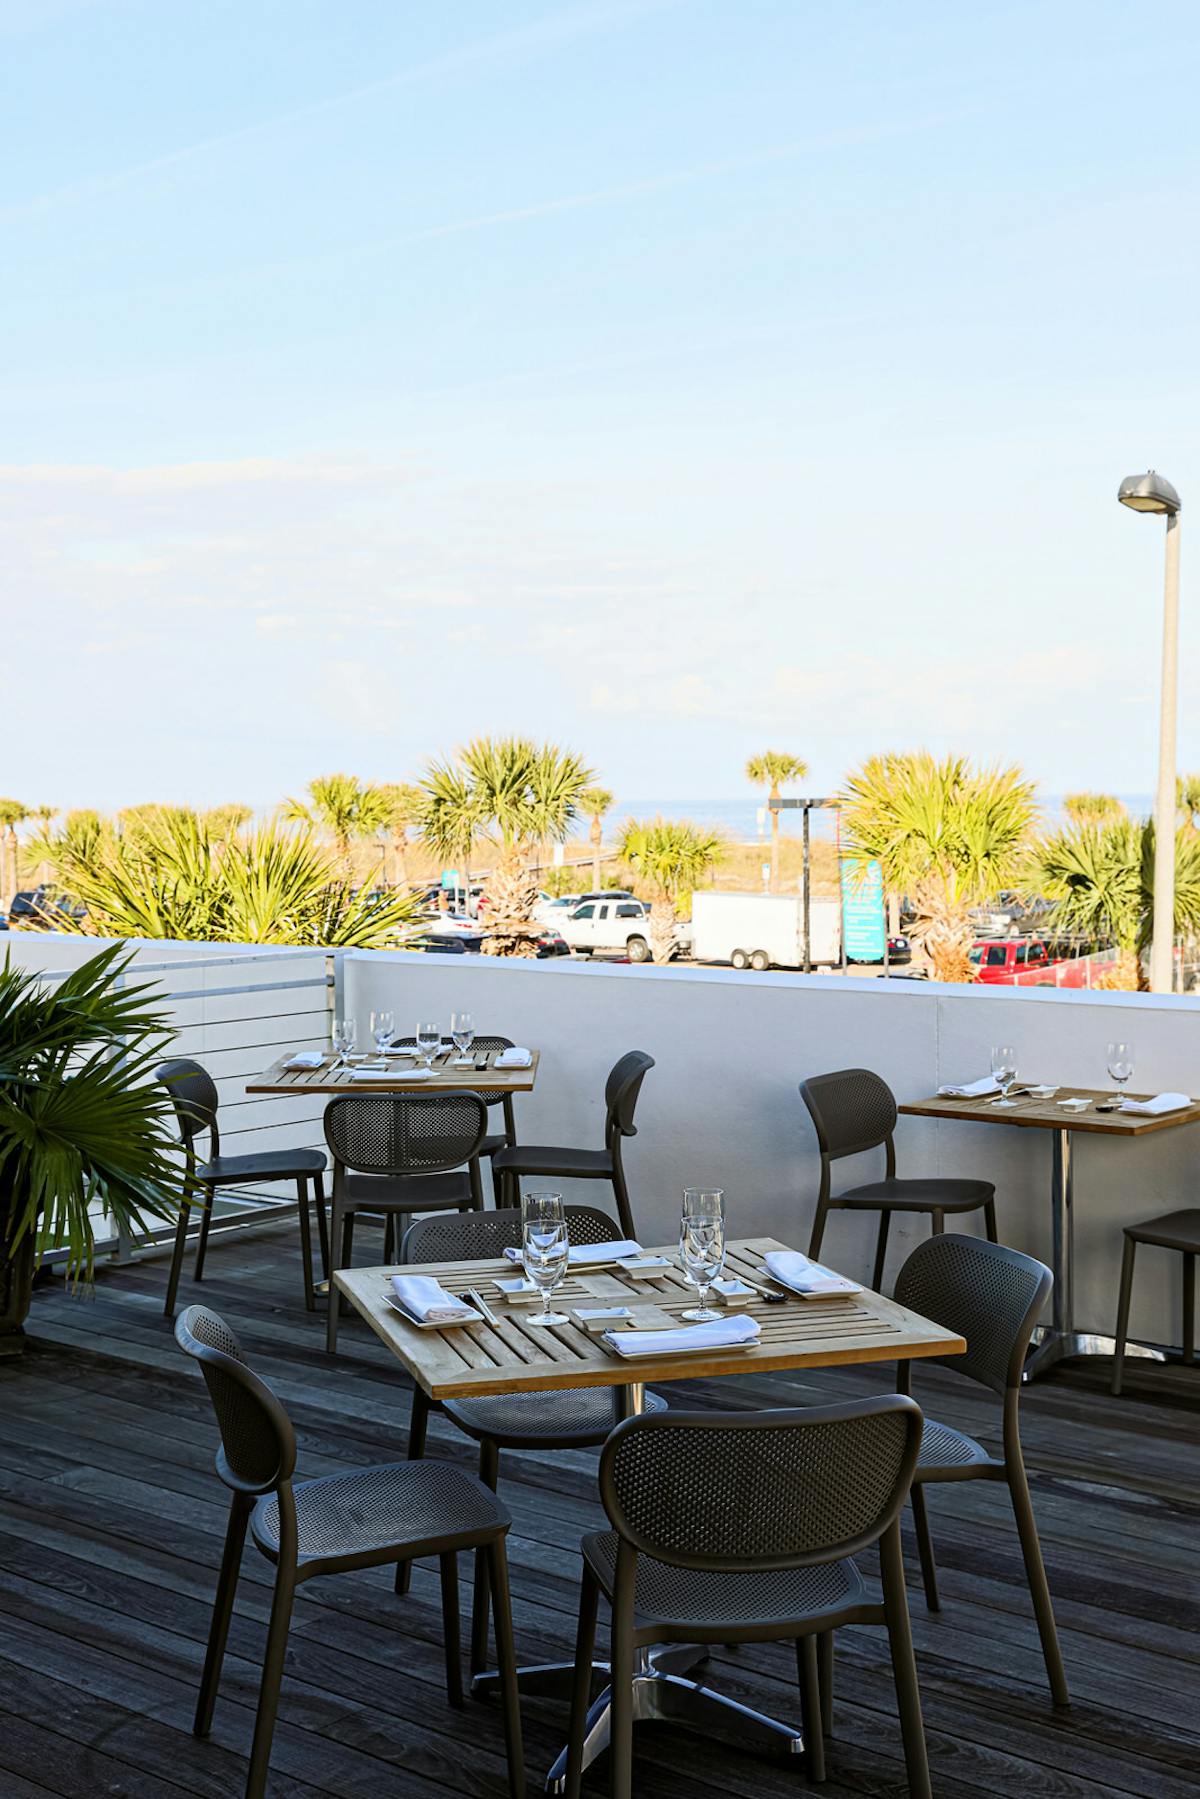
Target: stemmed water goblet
[
  {"x": 383, "y": 1024},
  {"x": 702, "y": 1246},
  {"x": 462, "y": 1031},
  {"x": 345, "y": 1035},
  {"x": 429, "y": 1041},
  {"x": 1004, "y": 1070},
  {"x": 1120, "y": 1064},
  {"x": 545, "y": 1250}
]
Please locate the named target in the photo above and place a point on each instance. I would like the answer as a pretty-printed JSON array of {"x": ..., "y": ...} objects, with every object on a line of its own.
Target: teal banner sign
[{"x": 864, "y": 918}]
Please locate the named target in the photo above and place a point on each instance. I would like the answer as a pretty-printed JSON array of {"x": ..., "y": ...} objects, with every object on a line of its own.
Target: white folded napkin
[
  {"x": 621, "y": 1249},
  {"x": 367, "y": 1075},
  {"x": 421, "y": 1295},
  {"x": 791, "y": 1269},
  {"x": 305, "y": 1058},
  {"x": 1162, "y": 1102},
  {"x": 724, "y": 1333},
  {"x": 513, "y": 1058},
  {"x": 971, "y": 1089}
]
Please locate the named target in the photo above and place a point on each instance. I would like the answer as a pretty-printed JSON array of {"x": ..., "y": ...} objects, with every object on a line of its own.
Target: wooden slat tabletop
[
  {"x": 1047, "y": 1114},
  {"x": 328, "y": 1079},
  {"x": 517, "y": 1357}
]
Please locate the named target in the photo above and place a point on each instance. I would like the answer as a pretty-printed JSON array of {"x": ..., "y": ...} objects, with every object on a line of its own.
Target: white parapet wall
[{"x": 721, "y": 1107}]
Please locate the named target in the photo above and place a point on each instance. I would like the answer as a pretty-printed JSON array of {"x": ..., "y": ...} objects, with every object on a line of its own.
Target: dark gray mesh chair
[
  {"x": 495, "y": 1140},
  {"x": 399, "y": 1153},
  {"x": 365, "y": 1518},
  {"x": 194, "y": 1094},
  {"x": 740, "y": 1529},
  {"x": 853, "y": 1111},
  {"x": 620, "y": 1102},
  {"x": 570, "y": 1418},
  {"x": 1179, "y": 1231},
  {"x": 993, "y": 1297}
]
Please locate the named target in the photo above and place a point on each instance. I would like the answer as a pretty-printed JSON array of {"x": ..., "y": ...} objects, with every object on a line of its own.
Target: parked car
[
  {"x": 618, "y": 925},
  {"x": 449, "y": 934}
]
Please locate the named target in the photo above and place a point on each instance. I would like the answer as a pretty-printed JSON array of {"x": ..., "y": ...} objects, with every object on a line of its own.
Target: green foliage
[
  {"x": 774, "y": 769},
  {"x": 81, "y": 1119},
  {"x": 1101, "y": 879},
  {"x": 349, "y": 809},
  {"x": 593, "y": 803},
  {"x": 173, "y": 879},
  {"x": 671, "y": 855},
  {"x": 509, "y": 789},
  {"x": 1187, "y": 798},
  {"x": 1092, "y": 808}
]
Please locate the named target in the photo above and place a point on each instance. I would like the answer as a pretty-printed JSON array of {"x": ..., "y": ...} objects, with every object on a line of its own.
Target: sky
[{"x": 673, "y": 379}]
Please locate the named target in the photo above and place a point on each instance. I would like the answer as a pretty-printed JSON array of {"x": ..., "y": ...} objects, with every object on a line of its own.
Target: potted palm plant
[{"x": 83, "y": 1126}]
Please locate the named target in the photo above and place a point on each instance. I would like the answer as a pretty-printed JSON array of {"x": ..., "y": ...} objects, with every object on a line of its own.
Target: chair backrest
[
  {"x": 480, "y": 1044},
  {"x": 621, "y": 1091},
  {"x": 476, "y": 1236},
  {"x": 779, "y": 1489},
  {"x": 258, "y": 1445},
  {"x": 851, "y": 1109},
  {"x": 988, "y": 1293},
  {"x": 194, "y": 1096},
  {"x": 405, "y": 1133}
]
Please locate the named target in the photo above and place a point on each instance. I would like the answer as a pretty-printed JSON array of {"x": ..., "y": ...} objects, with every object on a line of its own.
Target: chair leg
[
  {"x": 621, "y": 1195},
  {"x": 825, "y": 1660},
  {"x": 450, "y": 1632},
  {"x": 177, "y": 1253},
  {"x": 418, "y": 1425},
  {"x": 817, "y": 1234},
  {"x": 581, "y": 1686},
  {"x": 989, "y": 1221},
  {"x": 389, "y": 1239},
  {"x": 506, "y": 1662},
  {"x": 489, "y": 1474},
  {"x": 881, "y": 1243},
  {"x": 1035, "y": 1574},
  {"x": 322, "y": 1222},
  {"x": 1189, "y": 1310},
  {"x": 497, "y": 1186},
  {"x": 811, "y": 1709},
  {"x": 272, "y": 1675},
  {"x": 210, "y": 1194},
  {"x": 231, "y": 1561},
  {"x": 925, "y": 1548},
  {"x": 338, "y": 1235},
  {"x": 310, "y": 1298},
  {"x": 939, "y": 1222},
  {"x": 620, "y": 1746},
  {"x": 1122, "y": 1332},
  {"x": 904, "y": 1667}
]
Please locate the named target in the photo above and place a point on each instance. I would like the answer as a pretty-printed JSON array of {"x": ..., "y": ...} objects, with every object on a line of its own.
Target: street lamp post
[{"x": 1151, "y": 493}]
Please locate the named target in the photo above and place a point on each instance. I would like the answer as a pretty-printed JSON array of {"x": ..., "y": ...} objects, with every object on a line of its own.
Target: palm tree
[
  {"x": 594, "y": 803},
  {"x": 12, "y": 813},
  {"x": 349, "y": 809},
  {"x": 518, "y": 794},
  {"x": 1187, "y": 798},
  {"x": 1101, "y": 878},
  {"x": 404, "y": 802},
  {"x": 947, "y": 834},
  {"x": 772, "y": 770},
  {"x": 1092, "y": 808},
  {"x": 226, "y": 821},
  {"x": 672, "y": 857}
]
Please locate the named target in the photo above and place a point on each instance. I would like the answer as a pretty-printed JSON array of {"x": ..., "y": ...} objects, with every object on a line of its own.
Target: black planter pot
[{"x": 16, "y": 1289}]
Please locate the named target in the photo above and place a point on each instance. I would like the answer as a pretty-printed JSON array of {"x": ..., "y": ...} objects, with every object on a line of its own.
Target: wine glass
[
  {"x": 462, "y": 1030},
  {"x": 429, "y": 1041},
  {"x": 545, "y": 1249},
  {"x": 1120, "y": 1064},
  {"x": 345, "y": 1035},
  {"x": 1004, "y": 1070},
  {"x": 383, "y": 1024},
  {"x": 702, "y": 1246}
]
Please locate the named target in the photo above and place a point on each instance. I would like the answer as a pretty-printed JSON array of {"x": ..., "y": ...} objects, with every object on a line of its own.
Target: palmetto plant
[
  {"x": 226, "y": 821},
  {"x": 1092, "y": 808},
  {"x": 516, "y": 793},
  {"x": 773, "y": 770},
  {"x": 594, "y": 802},
  {"x": 671, "y": 857},
  {"x": 349, "y": 809},
  {"x": 81, "y": 1121},
  {"x": 174, "y": 879},
  {"x": 1101, "y": 880},
  {"x": 947, "y": 834},
  {"x": 12, "y": 813},
  {"x": 404, "y": 803},
  {"x": 1187, "y": 798}
]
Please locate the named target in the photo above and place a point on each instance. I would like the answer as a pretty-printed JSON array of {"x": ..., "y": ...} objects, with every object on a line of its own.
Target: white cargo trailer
[{"x": 764, "y": 930}]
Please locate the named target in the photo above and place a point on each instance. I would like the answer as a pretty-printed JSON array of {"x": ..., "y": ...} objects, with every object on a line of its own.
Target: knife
[{"x": 490, "y": 1317}]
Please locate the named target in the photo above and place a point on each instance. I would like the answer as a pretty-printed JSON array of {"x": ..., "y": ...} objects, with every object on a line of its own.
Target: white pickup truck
[{"x": 618, "y": 926}]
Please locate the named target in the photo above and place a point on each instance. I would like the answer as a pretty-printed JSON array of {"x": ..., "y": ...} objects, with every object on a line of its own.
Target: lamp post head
[{"x": 1149, "y": 493}]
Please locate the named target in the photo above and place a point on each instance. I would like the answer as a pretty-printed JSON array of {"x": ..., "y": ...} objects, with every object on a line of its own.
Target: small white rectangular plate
[
  {"x": 518, "y": 1289},
  {"x": 424, "y": 1324},
  {"x": 642, "y": 1268}
]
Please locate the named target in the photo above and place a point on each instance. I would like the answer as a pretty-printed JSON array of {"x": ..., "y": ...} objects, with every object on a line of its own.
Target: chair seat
[
  {"x": 490, "y": 1145},
  {"x": 950, "y": 1195},
  {"x": 948, "y": 1454},
  {"x": 1174, "y": 1230},
  {"x": 542, "y": 1158},
  {"x": 708, "y": 1601},
  {"x": 263, "y": 1165},
  {"x": 413, "y": 1506},
  {"x": 407, "y": 1193},
  {"x": 565, "y": 1419}
]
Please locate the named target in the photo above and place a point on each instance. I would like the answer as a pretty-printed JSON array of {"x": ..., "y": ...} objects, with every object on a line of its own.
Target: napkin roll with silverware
[{"x": 429, "y": 1302}]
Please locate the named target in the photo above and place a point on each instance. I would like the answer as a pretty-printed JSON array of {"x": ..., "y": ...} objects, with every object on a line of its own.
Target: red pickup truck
[{"x": 1038, "y": 961}]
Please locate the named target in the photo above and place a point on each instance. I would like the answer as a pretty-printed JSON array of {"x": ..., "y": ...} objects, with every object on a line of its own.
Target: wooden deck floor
[{"x": 110, "y": 1529}]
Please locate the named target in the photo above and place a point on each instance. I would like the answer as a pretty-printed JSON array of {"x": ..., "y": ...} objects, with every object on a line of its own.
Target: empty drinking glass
[
  {"x": 1120, "y": 1063},
  {"x": 1004, "y": 1070},
  {"x": 383, "y": 1024},
  {"x": 429, "y": 1041},
  {"x": 545, "y": 1249},
  {"x": 345, "y": 1035},
  {"x": 462, "y": 1030},
  {"x": 702, "y": 1246}
]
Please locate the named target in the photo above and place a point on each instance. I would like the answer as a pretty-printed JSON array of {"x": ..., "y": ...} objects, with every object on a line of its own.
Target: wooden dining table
[
  {"x": 333, "y": 1076},
  {"x": 514, "y": 1356},
  {"x": 1061, "y": 1337}
]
